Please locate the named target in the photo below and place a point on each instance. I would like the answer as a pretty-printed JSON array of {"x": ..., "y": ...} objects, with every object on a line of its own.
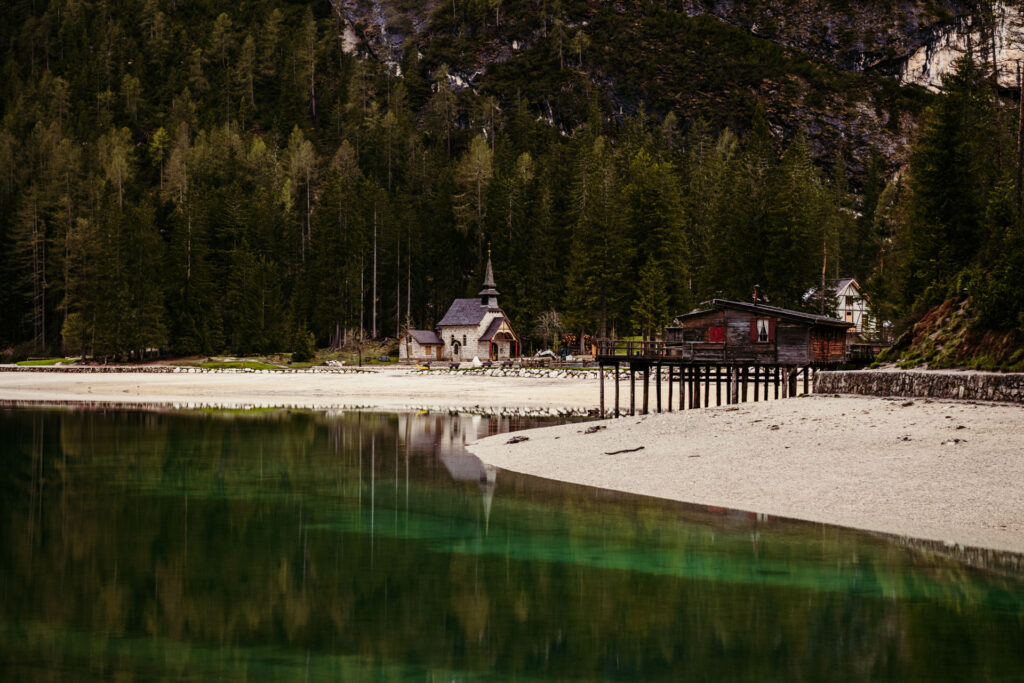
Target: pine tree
[
  {"x": 474, "y": 174},
  {"x": 600, "y": 249},
  {"x": 442, "y": 106},
  {"x": 650, "y": 306},
  {"x": 951, "y": 170},
  {"x": 301, "y": 163}
]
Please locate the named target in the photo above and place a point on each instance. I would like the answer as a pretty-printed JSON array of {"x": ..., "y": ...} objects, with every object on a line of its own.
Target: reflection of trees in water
[{"x": 237, "y": 532}]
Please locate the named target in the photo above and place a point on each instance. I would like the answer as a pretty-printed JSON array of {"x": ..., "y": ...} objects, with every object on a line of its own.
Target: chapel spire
[{"x": 489, "y": 295}]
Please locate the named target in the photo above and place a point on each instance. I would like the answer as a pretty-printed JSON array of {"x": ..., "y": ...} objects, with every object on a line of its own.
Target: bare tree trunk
[
  {"x": 824, "y": 265},
  {"x": 398, "y": 286},
  {"x": 408, "y": 275},
  {"x": 373, "y": 331},
  {"x": 188, "y": 243},
  {"x": 312, "y": 79},
  {"x": 309, "y": 211},
  {"x": 67, "y": 241}
]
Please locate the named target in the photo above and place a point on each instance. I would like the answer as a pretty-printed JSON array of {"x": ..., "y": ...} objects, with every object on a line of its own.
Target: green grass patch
[
  {"x": 239, "y": 364},
  {"x": 47, "y": 361}
]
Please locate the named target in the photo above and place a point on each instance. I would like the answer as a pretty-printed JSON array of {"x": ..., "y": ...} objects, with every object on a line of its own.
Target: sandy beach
[
  {"x": 937, "y": 470},
  {"x": 382, "y": 389}
]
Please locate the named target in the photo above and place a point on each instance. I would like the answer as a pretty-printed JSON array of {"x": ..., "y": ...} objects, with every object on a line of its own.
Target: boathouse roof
[{"x": 761, "y": 309}]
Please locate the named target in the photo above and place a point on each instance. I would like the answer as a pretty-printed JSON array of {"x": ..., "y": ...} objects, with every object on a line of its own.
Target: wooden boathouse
[{"x": 745, "y": 348}]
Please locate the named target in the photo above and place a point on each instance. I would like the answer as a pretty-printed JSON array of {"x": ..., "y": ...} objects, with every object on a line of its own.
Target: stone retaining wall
[{"x": 973, "y": 386}]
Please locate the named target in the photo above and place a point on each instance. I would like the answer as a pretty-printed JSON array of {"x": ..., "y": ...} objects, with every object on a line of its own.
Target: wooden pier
[{"x": 686, "y": 383}]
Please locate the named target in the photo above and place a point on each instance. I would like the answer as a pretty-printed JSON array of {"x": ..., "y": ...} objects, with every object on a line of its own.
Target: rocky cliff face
[
  {"x": 915, "y": 41},
  {"x": 828, "y": 67},
  {"x": 855, "y": 36},
  {"x": 968, "y": 34}
]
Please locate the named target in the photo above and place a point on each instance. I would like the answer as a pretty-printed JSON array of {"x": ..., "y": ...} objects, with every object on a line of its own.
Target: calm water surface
[{"x": 368, "y": 547}]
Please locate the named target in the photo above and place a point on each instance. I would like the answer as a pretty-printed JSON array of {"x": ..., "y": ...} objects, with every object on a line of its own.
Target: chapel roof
[
  {"x": 426, "y": 337},
  {"x": 465, "y": 312},
  {"x": 492, "y": 329}
]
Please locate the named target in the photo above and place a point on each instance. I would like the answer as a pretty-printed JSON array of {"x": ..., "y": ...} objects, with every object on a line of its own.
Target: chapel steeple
[{"x": 489, "y": 295}]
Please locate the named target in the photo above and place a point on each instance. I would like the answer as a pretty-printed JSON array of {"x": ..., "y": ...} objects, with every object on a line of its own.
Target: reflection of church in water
[{"x": 446, "y": 435}]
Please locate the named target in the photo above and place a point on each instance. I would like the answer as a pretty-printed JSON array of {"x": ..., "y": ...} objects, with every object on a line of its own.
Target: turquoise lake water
[{"x": 289, "y": 545}]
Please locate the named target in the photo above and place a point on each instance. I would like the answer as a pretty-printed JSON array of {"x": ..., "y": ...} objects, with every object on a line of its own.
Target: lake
[{"x": 292, "y": 545}]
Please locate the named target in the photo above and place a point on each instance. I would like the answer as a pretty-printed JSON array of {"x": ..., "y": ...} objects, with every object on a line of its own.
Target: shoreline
[{"x": 934, "y": 470}]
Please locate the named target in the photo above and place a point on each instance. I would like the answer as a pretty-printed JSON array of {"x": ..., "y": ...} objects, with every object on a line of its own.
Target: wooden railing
[
  {"x": 619, "y": 347},
  {"x": 710, "y": 351}
]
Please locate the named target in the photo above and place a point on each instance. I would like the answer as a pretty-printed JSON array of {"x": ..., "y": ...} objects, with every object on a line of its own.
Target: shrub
[{"x": 303, "y": 345}]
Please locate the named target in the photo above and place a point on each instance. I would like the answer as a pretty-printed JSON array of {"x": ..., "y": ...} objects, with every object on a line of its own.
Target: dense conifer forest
[{"x": 208, "y": 177}]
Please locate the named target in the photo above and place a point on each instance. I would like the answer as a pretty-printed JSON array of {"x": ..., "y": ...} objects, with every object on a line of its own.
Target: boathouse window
[
  {"x": 716, "y": 333},
  {"x": 762, "y": 330}
]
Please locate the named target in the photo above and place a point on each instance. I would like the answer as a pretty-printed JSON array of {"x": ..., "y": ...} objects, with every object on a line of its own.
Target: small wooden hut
[{"x": 738, "y": 332}]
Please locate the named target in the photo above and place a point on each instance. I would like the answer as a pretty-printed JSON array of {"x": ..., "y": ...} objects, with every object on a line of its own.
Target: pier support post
[
  {"x": 696, "y": 386},
  {"x": 600, "y": 375},
  {"x": 647, "y": 387},
  {"x": 657, "y": 386},
  {"x": 632, "y": 389},
  {"x": 671, "y": 373},
  {"x": 682, "y": 387},
  {"x": 616, "y": 388}
]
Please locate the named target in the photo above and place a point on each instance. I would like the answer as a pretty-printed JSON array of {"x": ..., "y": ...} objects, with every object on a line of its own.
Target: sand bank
[
  {"x": 384, "y": 389},
  {"x": 937, "y": 470}
]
